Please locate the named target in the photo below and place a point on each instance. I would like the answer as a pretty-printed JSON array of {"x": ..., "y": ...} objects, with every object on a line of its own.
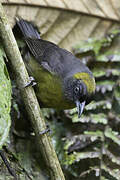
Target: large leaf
[{"x": 67, "y": 22}]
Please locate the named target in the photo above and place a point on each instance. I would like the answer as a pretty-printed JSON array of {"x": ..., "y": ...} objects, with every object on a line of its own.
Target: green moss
[{"x": 5, "y": 100}]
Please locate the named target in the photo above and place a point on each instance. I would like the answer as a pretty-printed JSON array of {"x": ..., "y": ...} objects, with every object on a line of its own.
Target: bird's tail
[{"x": 27, "y": 29}]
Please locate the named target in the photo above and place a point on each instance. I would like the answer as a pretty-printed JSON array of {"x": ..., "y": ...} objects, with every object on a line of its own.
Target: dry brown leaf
[
  {"x": 66, "y": 22},
  {"x": 102, "y": 8}
]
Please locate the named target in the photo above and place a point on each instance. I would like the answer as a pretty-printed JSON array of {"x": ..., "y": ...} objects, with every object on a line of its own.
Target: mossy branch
[{"x": 28, "y": 95}]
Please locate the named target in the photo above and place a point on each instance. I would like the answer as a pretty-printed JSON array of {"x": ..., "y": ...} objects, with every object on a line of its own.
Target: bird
[{"x": 63, "y": 81}]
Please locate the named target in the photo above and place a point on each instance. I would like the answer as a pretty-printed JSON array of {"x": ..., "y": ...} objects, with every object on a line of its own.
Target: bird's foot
[
  {"x": 45, "y": 131},
  {"x": 31, "y": 82}
]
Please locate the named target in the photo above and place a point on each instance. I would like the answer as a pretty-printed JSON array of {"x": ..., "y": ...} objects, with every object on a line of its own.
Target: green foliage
[
  {"x": 93, "y": 144},
  {"x": 5, "y": 100}
]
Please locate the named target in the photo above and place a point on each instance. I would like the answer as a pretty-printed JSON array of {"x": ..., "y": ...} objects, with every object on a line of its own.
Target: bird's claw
[
  {"x": 44, "y": 131},
  {"x": 31, "y": 82}
]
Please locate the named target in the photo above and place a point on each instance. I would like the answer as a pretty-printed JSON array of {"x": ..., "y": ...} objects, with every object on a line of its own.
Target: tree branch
[{"x": 29, "y": 99}]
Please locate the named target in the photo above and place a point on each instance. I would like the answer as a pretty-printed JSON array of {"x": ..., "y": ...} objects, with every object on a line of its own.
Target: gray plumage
[{"x": 49, "y": 55}]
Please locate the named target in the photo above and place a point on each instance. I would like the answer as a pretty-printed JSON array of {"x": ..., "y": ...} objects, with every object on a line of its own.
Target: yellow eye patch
[{"x": 87, "y": 79}]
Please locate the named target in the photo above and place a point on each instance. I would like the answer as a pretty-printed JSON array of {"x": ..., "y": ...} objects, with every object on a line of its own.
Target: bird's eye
[{"x": 76, "y": 90}]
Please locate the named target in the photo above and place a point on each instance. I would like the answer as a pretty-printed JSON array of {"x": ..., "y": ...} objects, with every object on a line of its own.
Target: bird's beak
[{"x": 80, "y": 107}]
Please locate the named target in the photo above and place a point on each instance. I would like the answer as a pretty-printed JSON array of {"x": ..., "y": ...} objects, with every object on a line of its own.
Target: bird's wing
[
  {"x": 54, "y": 59},
  {"x": 38, "y": 46},
  {"x": 47, "y": 54}
]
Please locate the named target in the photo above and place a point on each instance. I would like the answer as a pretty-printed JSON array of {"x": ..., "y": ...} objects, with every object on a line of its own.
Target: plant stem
[{"x": 29, "y": 98}]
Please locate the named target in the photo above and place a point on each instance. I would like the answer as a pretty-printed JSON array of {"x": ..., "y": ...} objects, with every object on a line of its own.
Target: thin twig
[
  {"x": 9, "y": 152},
  {"x": 11, "y": 171}
]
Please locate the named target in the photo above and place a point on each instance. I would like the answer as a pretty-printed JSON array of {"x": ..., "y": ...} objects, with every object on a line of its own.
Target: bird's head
[{"x": 79, "y": 89}]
